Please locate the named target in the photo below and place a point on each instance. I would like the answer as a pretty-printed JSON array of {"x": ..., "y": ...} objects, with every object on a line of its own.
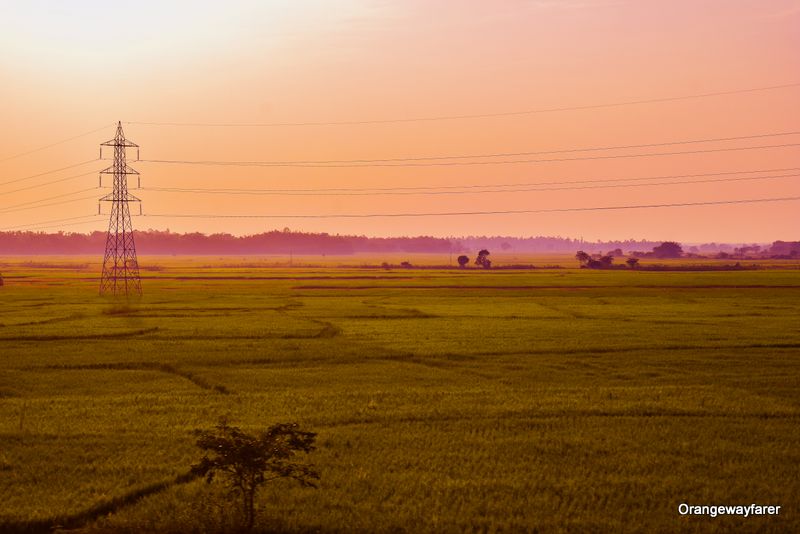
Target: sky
[{"x": 240, "y": 81}]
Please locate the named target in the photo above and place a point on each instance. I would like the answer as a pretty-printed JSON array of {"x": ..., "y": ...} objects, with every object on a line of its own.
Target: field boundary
[
  {"x": 144, "y": 366},
  {"x": 81, "y": 518}
]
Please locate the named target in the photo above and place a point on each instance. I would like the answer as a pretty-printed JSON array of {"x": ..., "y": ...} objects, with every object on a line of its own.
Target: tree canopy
[
  {"x": 248, "y": 461},
  {"x": 668, "y": 249}
]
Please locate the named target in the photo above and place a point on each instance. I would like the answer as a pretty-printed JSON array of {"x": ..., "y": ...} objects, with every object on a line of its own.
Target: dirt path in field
[
  {"x": 146, "y": 366},
  {"x": 80, "y": 519}
]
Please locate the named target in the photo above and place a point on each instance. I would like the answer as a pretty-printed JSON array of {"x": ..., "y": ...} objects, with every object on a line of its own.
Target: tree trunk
[{"x": 250, "y": 495}]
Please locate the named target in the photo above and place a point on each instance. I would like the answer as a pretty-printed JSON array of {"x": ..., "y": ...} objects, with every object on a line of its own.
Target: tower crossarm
[
  {"x": 126, "y": 170},
  {"x": 122, "y": 142},
  {"x": 127, "y": 197}
]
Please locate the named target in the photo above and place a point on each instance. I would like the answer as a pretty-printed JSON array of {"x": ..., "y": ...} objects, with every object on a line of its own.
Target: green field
[{"x": 444, "y": 400}]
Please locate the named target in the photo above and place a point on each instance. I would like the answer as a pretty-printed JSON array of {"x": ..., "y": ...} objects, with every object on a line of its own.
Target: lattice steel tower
[{"x": 120, "y": 266}]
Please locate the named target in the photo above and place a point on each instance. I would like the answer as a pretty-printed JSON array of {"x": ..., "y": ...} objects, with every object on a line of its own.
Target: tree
[
  {"x": 248, "y": 461},
  {"x": 632, "y": 262},
  {"x": 606, "y": 261},
  {"x": 463, "y": 261},
  {"x": 668, "y": 249},
  {"x": 582, "y": 257},
  {"x": 505, "y": 245},
  {"x": 483, "y": 259}
]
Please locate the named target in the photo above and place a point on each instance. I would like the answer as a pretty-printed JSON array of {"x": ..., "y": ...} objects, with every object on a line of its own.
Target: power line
[
  {"x": 429, "y": 214},
  {"x": 67, "y": 178},
  {"x": 48, "y": 222},
  {"x": 461, "y": 192},
  {"x": 36, "y": 204},
  {"x": 9, "y": 208},
  {"x": 84, "y": 134},
  {"x": 462, "y": 213},
  {"x": 513, "y": 154},
  {"x": 467, "y": 163},
  {"x": 477, "y": 115},
  {"x": 474, "y": 186},
  {"x": 58, "y": 203},
  {"x": 35, "y": 228},
  {"x": 15, "y": 180}
]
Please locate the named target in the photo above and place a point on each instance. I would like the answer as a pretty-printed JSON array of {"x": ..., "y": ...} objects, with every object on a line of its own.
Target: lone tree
[
  {"x": 582, "y": 257},
  {"x": 605, "y": 262},
  {"x": 483, "y": 259},
  {"x": 668, "y": 249},
  {"x": 463, "y": 261},
  {"x": 632, "y": 262},
  {"x": 247, "y": 461}
]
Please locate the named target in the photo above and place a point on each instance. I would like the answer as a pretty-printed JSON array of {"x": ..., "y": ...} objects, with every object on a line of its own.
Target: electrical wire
[
  {"x": 477, "y": 115},
  {"x": 84, "y": 134},
  {"x": 36, "y": 204},
  {"x": 36, "y": 228},
  {"x": 66, "y": 178},
  {"x": 15, "y": 180},
  {"x": 462, "y": 192},
  {"x": 70, "y": 220},
  {"x": 467, "y": 163},
  {"x": 527, "y": 153},
  {"x": 58, "y": 203},
  {"x": 476, "y": 186},
  {"x": 48, "y": 222},
  {"x": 470, "y": 213},
  {"x": 47, "y": 198}
]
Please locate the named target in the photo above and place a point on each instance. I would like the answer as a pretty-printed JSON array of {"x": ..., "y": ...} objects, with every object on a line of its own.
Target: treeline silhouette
[
  {"x": 274, "y": 242},
  {"x": 289, "y": 242}
]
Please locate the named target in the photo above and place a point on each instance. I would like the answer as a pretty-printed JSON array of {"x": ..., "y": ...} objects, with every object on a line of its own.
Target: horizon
[
  {"x": 565, "y": 80},
  {"x": 451, "y": 238}
]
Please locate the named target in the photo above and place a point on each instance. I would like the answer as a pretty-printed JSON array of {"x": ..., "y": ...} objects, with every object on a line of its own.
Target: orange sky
[{"x": 67, "y": 68}]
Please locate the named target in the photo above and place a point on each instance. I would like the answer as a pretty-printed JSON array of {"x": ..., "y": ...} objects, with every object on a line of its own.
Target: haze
[{"x": 68, "y": 68}]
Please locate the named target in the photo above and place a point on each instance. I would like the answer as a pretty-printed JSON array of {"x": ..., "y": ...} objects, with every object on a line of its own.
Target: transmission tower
[{"x": 120, "y": 267}]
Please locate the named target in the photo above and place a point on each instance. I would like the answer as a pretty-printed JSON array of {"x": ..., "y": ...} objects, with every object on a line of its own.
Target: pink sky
[{"x": 67, "y": 69}]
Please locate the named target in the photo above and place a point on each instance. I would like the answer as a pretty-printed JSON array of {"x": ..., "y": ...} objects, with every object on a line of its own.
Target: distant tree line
[
  {"x": 288, "y": 242},
  {"x": 671, "y": 249},
  {"x": 274, "y": 242},
  {"x": 668, "y": 249}
]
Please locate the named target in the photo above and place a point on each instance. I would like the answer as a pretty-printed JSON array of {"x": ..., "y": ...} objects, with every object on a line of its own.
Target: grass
[{"x": 560, "y": 400}]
